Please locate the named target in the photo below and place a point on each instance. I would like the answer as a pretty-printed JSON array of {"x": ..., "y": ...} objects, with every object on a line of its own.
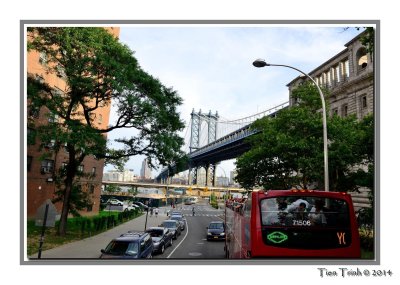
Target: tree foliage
[
  {"x": 287, "y": 152},
  {"x": 100, "y": 71}
]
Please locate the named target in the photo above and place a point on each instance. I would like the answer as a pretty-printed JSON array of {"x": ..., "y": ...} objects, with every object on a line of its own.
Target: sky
[{"x": 210, "y": 66}]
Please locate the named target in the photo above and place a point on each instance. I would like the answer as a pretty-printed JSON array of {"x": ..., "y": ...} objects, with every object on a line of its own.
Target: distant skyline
[{"x": 210, "y": 66}]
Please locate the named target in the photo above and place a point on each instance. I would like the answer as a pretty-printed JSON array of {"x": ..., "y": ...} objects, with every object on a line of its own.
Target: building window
[
  {"x": 64, "y": 165},
  {"x": 50, "y": 144},
  {"x": 344, "y": 110},
  {"x": 337, "y": 73},
  {"x": 100, "y": 119},
  {"x": 93, "y": 170},
  {"x": 58, "y": 92},
  {"x": 328, "y": 77},
  {"x": 91, "y": 189},
  {"x": 43, "y": 58},
  {"x": 332, "y": 74},
  {"x": 53, "y": 118},
  {"x": 47, "y": 166},
  {"x": 89, "y": 208},
  {"x": 344, "y": 66},
  {"x": 31, "y": 136},
  {"x": 29, "y": 162},
  {"x": 362, "y": 60},
  {"x": 61, "y": 71},
  {"x": 80, "y": 168},
  {"x": 39, "y": 78},
  {"x": 33, "y": 112},
  {"x": 335, "y": 112},
  {"x": 364, "y": 102}
]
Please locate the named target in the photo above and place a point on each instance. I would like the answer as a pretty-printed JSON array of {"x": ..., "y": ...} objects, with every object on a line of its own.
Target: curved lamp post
[{"x": 262, "y": 63}]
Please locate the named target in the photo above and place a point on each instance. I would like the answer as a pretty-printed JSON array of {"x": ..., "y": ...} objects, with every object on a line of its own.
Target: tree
[
  {"x": 288, "y": 149},
  {"x": 100, "y": 71}
]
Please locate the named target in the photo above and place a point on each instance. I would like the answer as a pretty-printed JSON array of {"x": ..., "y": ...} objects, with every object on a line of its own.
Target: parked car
[
  {"x": 216, "y": 230},
  {"x": 131, "y": 207},
  {"x": 162, "y": 237},
  {"x": 131, "y": 245},
  {"x": 173, "y": 226},
  {"x": 115, "y": 202},
  {"x": 140, "y": 204},
  {"x": 180, "y": 219}
]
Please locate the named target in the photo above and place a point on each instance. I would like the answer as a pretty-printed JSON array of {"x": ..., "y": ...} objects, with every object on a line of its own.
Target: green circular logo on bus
[{"x": 277, "y": 237}]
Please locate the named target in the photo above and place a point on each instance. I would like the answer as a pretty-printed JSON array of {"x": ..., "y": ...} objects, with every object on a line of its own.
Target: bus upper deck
[{"x": 292, "y": 223}]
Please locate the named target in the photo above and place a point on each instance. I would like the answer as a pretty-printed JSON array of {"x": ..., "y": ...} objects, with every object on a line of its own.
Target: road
[{"x": 191, "y": 244}]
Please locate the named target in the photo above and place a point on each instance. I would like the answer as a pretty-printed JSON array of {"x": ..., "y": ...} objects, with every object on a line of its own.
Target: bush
[
  {"x": 365, "y": 219},
  {"x": 367, "y": 239},
  {"x": 214, "y": 204}
]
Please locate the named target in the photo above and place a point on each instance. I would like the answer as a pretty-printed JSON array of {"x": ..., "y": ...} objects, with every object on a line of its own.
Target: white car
[
  {"x": 131, "y": 207},
  {"x": 115, "y": 202}
]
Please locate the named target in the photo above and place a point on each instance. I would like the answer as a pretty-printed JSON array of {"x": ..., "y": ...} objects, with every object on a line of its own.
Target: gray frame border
[{"x": 377, "y": 89}]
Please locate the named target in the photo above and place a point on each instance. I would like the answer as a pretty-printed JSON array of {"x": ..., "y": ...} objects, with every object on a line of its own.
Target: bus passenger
[
  {"x": 301, "y": 213},
  {"x": 317, "y": 216}
]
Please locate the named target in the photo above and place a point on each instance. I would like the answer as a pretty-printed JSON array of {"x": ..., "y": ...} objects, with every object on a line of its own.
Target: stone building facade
[{"x": 349, "y": 77}]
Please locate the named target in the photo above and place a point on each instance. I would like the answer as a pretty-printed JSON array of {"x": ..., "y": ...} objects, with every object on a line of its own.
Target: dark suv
[{"x": 131, "y": 245}]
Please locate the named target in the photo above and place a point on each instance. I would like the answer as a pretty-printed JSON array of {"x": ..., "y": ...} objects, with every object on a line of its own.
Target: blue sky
[{"x": 211, "y": 65}]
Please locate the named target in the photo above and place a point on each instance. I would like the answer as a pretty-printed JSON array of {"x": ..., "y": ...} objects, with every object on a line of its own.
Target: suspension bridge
[{"x": 214, "y": 139}]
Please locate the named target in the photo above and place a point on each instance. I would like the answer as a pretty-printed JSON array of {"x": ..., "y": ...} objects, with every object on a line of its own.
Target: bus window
[{"x": 305, "y": 222}]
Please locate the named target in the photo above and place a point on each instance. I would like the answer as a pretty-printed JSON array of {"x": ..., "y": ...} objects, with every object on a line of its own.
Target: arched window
[{"x": 362, "y": 60}]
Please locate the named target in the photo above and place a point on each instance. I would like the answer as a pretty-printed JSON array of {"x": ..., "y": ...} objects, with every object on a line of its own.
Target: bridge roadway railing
[{"x": 232, "y": 137}]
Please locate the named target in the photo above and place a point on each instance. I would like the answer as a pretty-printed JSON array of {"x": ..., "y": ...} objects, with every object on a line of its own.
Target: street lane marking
[{"x": 187, "y": 231}]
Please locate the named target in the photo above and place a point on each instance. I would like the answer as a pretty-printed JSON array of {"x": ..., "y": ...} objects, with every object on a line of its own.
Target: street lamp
[{"x": 261, "y": 63}]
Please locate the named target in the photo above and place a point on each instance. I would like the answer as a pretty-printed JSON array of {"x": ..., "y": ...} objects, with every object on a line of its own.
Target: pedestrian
[
  {"x": 151, "y": 211},
  {"x": 156, "y": 212}
]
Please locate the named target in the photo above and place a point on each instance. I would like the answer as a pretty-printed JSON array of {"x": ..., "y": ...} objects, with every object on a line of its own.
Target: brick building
[
  {"x": 349, "y": 77},
  {"x": 40, "y": 185}
]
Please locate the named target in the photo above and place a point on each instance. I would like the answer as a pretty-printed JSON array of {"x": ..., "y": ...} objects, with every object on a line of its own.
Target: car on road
[
  {"x": 115, "y": 202},
  {"x": 131, "y": 245},
  {"x": 173, "y": 226},
  {"x": 162, "y": 237},
  {"x": 180, "y": 219},
  {"x": 216, "y": 230},
  {"x": 176, "y": 213}
]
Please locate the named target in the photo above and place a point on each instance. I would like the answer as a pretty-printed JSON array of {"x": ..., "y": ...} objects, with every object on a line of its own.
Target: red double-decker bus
[{"x": 291, "y": 224}]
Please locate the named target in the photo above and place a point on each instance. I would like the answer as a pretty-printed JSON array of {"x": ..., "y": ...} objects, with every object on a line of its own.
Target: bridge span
[
  {"x": 175, "y": 186},
  {"x": 222, "y": 146}
]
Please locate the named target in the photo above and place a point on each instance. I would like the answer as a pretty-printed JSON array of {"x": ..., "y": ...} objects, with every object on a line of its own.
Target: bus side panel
[{"x": 236, "y": 238}]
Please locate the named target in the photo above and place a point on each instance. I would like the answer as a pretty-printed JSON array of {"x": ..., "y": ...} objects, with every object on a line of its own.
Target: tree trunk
[{"x": 62, "y": 229}]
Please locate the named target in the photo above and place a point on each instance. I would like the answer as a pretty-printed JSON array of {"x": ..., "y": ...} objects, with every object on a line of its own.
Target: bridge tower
[{"x": 196, "y": 121}]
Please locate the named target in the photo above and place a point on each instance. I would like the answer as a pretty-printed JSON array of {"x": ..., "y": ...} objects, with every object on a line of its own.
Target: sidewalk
[{"x": 90, "y": 247}]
